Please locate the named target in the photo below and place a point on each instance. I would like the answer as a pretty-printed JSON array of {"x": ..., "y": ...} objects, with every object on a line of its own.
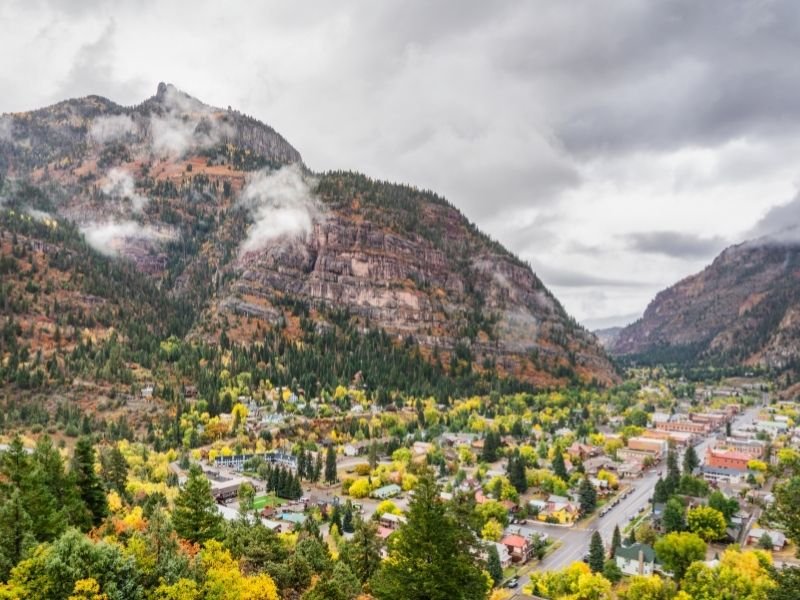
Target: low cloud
[
  {"x": 282, "y": 206},
  {"x": 111, "y": 128},
  {"x": 780, "y": 225},
  {"x": 675, "y": 244},
  {"x": 6, "y": 128},
  {"x": 119, "y": 185},
  {"x": 186, "y": 124},
  {"x": 575, "y": 279},
  {"x": 111, "y": 238},
  {"x": 40, "y": 215}
]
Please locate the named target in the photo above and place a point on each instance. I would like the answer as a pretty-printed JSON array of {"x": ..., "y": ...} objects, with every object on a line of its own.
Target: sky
[{"x": 617, "y": 146}]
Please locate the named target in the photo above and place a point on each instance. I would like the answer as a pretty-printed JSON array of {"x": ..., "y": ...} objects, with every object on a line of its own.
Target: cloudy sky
[{"x": 617, "y": 146}]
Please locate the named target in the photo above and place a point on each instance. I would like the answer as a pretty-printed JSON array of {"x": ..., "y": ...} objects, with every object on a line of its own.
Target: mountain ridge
[{"x": 218, "y": 209}]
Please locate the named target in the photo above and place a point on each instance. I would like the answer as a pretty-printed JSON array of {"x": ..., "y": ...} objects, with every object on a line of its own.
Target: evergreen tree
[
  {"x": 616, "y": 541},
  {"x": 597, "y": 555},
  {"x": 491, "y": 444},
  {"x": 91, "y": 489},
  {"x": 362, "y": 553},
  {"x": 347, "y": 518},
  {"x": 196, "y": 517},
  {"x": 330, "y": 466},
  {"x": 516, "y": 473},
  {"x": 559, "y": 467},
  {"x": 373, "y": 455},
  {"x": 15, "y": 532},
  {"x": 117, "y": 473},
  {"x": 493, "y": 564},
  {"x": 336, "y": 519},
  {"x": 690, "y": 460},
  {"x": 660, "y": 494},
  {"x": 60, "y": 485},
  {"x": 587, "y": 496},
  {"x": 317, "y": 467},
  {"x": 432, "y": 556},
  {"x": 673, "y": 478}
]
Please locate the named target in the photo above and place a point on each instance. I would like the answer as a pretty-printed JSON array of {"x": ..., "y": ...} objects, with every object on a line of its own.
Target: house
[
  {"x": 582, "y": 451},
  {"x": 656, "y": 447},
  {"x": 560, "y": 510},
  {"x": 593, "y": 466},
  {"x": 387, "y": 491},
  {"x": 630, "y": 469},
  {"x": 778, "y": 537},
  {"x": 723, "y": 474},
  {"x": 391, "y": 521},
  {"x": 503, "y": 553},
  {"x": 636, "y": 559},
  {"x": 519, "y": 548}
]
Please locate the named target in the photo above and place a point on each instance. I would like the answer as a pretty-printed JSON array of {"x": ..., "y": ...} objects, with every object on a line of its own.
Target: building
[
  {"x": 723, "y": 474},
  {"x": 519, "y": 548},
  {"x": 685, "y": 427},
  {"x": 778, "y": 537},
  {"x": 680, "y": 439},
  {"x": 630, "y": 469},
  {"x": 224, "y": 488},
  {"x": 237, "y": 461},
  {"x": 391, "y": 521},
  {"x": 636, "y": 559},
  {"x": 654, "y": 446},
  {"x": 503, "y": 553},
  {"x": 387, "y": 491},
  {"x": 727, "y": 459},
  {"x": 754, "y": 448},
  {"x": 772, "y": 427}
]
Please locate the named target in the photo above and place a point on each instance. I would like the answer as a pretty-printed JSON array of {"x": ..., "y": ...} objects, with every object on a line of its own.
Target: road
[{"x": 575, "y": 540}]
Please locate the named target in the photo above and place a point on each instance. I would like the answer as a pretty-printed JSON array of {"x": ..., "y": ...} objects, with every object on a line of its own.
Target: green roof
[{"x": 632, "y": 552}]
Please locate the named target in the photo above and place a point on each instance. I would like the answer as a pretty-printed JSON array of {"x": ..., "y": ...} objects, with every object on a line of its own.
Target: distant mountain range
[
  {"x": 744, "y": 308},
  {"x": 216, "y": 210}
]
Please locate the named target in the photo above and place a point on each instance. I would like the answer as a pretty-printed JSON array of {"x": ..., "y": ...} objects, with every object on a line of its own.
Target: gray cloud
[
  {"x": 112, "y": 128},
  {"x": 120, "y": 187},
  {"x": 676, "y": 244},
  {"x": 781, "y": 224},
  {"x": 674, "y": 118}
]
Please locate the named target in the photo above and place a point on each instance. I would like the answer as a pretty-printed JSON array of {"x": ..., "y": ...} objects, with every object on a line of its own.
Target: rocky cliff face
[
  {"x": 743, "y": 308},
  {"x": 168, "y": 184}
]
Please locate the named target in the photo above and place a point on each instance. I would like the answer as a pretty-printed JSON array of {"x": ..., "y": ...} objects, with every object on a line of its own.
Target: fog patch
[
  {"x": 6, "y": 128},
  {"x": 120, "y": 186},
  {"x": 111, "y": 237},
  {"x": 111, "y": 128},
  {"x": 282, "y": 206}
]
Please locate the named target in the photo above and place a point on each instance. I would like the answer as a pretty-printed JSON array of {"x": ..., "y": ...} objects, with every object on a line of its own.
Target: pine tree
[
  {"x": 493, "y": 565},
  {"x": 432, "y": 556},
  {"x": 690, "y": 460},
  {"x": 673, "y": 478},
  {"x": 597, "y": 555},
  {"x": 117, "y": 474},
  {"x": 616, "y": 541},
  {"x": 347, "y": 517},
  {"x": 660, "y": 494},
  {"x": 61, "y": 486},
  {"x": 330, "y": 466},
  {"x": 373, "y": 455},
  {"x": 336, "y": 519},
  {"x": 196, "y": 517},
  {"x": 587, "y": 496},
  {"x": 91, "y": 489},
  {"x": 317, "y": 467},
  {"x": 559, "y": 467},
  {"x": 15, "y": 532}
]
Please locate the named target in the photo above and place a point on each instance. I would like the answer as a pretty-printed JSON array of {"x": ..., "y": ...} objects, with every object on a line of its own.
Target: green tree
[
  {"x": 432, "y": 556},
  {"x": 373, "y": 455},
  {"x": 347, "y": 517},
  {"x": 706, "y": 522},
  {"x": 91, "y": 489},
  {"x": 616, "y": 541},
  {"x": 785, "y": 510},
  {"x": 787, "y": 582},
  {"x": 597, "y": 554},
  {"x": 60, "y": 485},
  {"x": 660, "y": 493},
  {"x": 493, "y": 564},
  {"x": 362, "y": 552},
  {"x": 611, "y": 571},
  {"x": 587, "y": 496},
  {"x": 559, "y": 467},
  {"x": 727, "y": 506},
  {"x": 674, "y": 517},
  {"x": 116, "y": 471},
  {"x": 765, "y": 542},
  {"x": 677, "y": 551},
  {"x": 247, "y": 498},
  {"x": 690, "y": 460},
  {"x": 673, "y": 478},
  {"x": 649, "y": 587},
  {"x": 196, "y": 517},
  {"x": 330, "y": 466},
  {"x": 15, "y": 532}
]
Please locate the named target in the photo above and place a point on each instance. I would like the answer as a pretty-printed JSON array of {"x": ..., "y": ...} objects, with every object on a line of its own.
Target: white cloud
[
  {"x": 111, "y": 237},
  {"x": 282, "y": 206},
  {"x": 112, "y": 128},
  {"x": 119, "y": 185}
]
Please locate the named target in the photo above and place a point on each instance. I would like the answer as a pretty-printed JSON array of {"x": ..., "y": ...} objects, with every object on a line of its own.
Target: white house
[{"x": 636, "y": 559}]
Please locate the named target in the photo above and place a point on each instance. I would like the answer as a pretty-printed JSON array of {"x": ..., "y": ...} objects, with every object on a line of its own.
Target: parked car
[{"x": 511, "y": 583}]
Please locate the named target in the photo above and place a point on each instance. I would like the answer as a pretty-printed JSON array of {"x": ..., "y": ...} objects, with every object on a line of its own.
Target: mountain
[
  {"x": 218, "y": 233},
  {"x": 607, "y": 336},
  {"x": 744, "y": 308}
]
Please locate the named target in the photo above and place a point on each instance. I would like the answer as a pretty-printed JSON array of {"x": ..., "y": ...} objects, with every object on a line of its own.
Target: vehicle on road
[{"x": 511, "y": 583}]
